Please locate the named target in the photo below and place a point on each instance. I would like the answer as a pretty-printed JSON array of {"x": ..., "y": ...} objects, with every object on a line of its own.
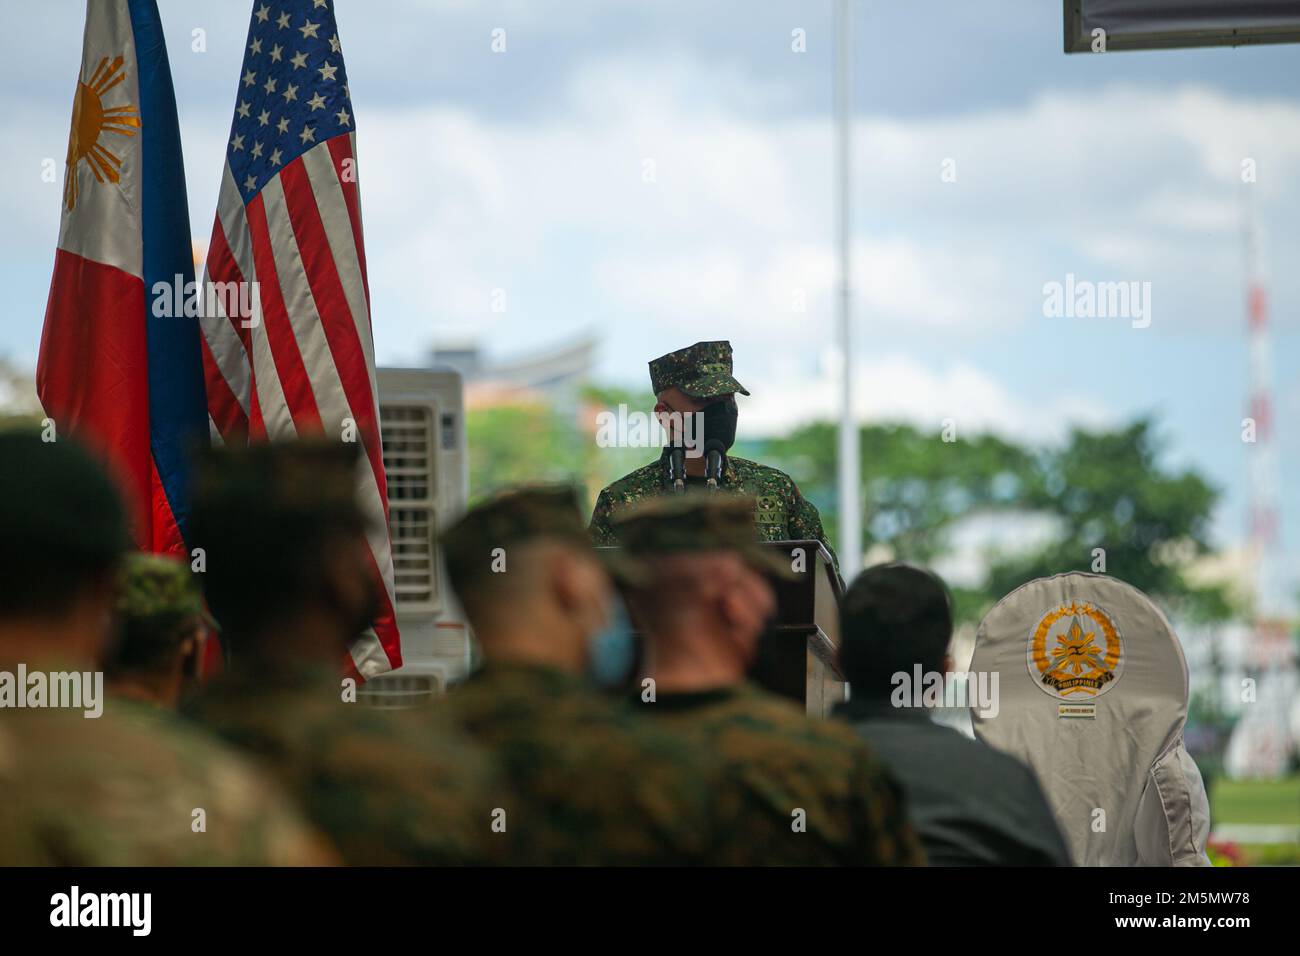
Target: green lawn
[
  {"x": 1256, "y": 801},
  {"x": 1259, "y": 802}
]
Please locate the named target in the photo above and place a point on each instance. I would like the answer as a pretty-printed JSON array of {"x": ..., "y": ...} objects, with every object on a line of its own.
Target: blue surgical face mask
[{"x": 613, "y": 651}]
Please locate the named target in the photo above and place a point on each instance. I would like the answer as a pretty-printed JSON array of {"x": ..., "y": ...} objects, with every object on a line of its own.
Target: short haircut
[
  {"x": 62, "y": 524},
  {"x": 893, "y": 617},
  {"x": 149, "y": 645},
  {"x": 493, "y": 551},
  {"x": 266, "y": 517},
  {"x": 487, "y": 597}
]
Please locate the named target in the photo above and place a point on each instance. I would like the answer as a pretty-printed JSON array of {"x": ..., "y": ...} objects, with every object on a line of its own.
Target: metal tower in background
[
  {"x": 1261, "y": 741},
  {"x": 1271, "y": 600}
]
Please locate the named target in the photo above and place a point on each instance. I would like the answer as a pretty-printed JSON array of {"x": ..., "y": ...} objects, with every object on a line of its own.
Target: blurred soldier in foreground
[
  {"x": 161, "y": 624},
  {"x": 809, "y": 791},
  {"x": 587, "y": 783},
  {"x": 288, "y": 577},
  {"x": 696, "y": 404},
  {"x": 972, "y": 805},
  {"x": 90, "y": 784}
]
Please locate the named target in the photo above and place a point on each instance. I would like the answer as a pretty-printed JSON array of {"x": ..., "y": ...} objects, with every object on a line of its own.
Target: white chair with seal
[{"x": 1093, "y": 688}]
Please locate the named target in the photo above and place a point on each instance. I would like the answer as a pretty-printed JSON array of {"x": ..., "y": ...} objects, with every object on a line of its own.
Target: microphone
[
  {"x": 714, "y": 455},
  {"x": 677, "y": 469}
]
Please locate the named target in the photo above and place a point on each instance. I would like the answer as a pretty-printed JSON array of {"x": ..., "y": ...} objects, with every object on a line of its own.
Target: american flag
[{"x": 288, "y": 347}]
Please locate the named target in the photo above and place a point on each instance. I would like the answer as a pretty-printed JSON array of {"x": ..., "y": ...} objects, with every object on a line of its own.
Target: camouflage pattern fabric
[
  {"x": 159, "y": 605},
  {"x": 778, "y": 761},
  {"x": 702, "y": 370},
  {"x": 122, "y": 790},
  {"x": 388, "y": 787},
  {"x": 781, "y": 513},
  {"x": 586, "y": 782},
  {"x": 151, "y": 585},
  {"x": 688, "y": 524}
]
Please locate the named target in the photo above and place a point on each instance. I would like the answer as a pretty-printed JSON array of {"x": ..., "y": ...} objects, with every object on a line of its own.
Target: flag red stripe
[
  {"x": 223, "y": 406},
  {"x": 336, "y": 318},
  {"x": 385, "y": 623},
  {"x": 279, "y": 331},
  {"x": 222, "y": 267},
  {"x": 340, "y": 148}
]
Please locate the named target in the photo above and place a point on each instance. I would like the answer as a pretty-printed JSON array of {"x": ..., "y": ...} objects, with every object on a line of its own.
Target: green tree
[
  {"x": 517, "y": 444},
  {"x": 1101, "y": 489},
  {"x": 1114, "y": 500}
]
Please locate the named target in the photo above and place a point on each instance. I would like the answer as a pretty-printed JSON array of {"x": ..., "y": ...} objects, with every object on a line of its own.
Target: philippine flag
[{"x": 121, "y": 365}]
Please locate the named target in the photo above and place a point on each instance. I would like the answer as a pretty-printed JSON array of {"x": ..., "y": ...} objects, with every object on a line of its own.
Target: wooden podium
[{"x": 796, "y": 659}]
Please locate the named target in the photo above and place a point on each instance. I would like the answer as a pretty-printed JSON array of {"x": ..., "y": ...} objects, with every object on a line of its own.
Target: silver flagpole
[{"x": 850, "y": 523}]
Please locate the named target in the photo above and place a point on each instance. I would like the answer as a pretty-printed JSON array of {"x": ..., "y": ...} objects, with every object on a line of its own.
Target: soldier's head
[
  {"x": 161, "y": 627},
  {"x": 893, "y": 618},
  {"x": 691, "y": 380},
  {"x": 703, "y": 599},
  {"x": 532, "y": 586},
  {"x": 63, "y": 533},
  {"x": 286, "y": 567}
]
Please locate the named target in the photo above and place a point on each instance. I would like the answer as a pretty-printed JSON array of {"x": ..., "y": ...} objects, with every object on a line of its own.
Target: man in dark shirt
[{"x": 971, "y": 805}]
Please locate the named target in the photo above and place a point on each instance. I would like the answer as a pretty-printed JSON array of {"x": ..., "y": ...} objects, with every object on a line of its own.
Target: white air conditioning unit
[{"x": 422, "y": 426}]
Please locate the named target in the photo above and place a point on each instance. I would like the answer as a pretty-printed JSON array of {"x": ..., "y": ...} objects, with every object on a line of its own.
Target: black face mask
[{"x": 720, "y": 423}]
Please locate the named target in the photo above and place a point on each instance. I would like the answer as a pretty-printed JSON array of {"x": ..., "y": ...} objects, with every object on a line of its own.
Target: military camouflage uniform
[
  {"x": 777, "y": 761},
  {"x": 388, "y": 787},
  {"x": 586, "y": 783},
  {"x": 121, "y": 790},
  {"x": 781, "y": 513},
  {"x": 783, "y": 770},
  {"x": 160, "y": 592}
]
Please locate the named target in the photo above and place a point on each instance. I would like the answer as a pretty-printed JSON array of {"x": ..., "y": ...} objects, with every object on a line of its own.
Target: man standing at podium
[{"x": 696, "y": 404}]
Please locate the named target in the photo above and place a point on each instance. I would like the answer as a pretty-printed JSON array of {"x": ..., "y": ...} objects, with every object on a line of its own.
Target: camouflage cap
[
  {"x": 702, "y": 370},
  {"x": 513, "y": 516},
  {"x": 697, "y": 523},
  {"x": 155, "y": 587}
]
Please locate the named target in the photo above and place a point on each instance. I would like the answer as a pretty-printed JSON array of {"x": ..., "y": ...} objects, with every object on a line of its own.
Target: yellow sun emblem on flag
[{"x": 90, "y": 120}]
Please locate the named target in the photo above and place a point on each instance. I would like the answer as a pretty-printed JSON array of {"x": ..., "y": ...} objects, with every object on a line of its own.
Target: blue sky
[{"x": 525, "y": 171}]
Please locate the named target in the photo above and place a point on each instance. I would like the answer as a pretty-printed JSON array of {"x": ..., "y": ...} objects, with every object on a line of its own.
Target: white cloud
[{"x": 736, "y": 222}]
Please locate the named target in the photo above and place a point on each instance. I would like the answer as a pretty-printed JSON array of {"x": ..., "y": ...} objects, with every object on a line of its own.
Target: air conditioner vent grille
[{"x": 409, "y": 462}]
